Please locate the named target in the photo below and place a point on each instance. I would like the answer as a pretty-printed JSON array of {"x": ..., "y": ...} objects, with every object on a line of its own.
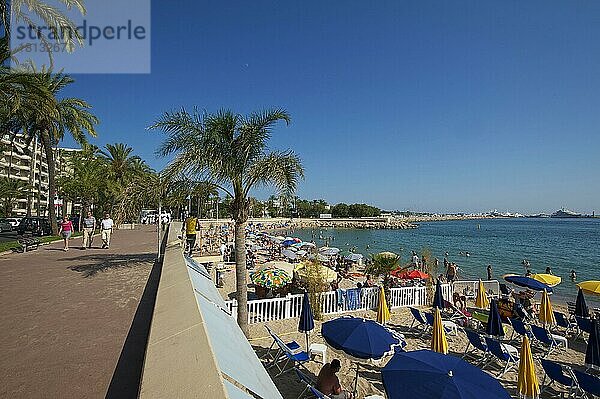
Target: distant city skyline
[{"x": 440, "y": 107}]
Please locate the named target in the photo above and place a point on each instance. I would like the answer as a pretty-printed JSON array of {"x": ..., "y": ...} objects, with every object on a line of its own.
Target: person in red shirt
[
  {"x": 66, "y": 229},
  {"x": 329, "y": 384}
]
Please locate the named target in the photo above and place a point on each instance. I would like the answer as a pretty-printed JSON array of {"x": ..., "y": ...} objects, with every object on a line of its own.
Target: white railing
[{"x": 290, "y": 306}]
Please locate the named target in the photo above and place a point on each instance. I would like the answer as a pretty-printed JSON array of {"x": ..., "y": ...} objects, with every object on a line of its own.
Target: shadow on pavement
[{"x": 95, "y": 263}]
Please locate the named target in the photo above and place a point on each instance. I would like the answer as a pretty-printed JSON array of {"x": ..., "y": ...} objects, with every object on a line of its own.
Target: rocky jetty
[{"x": 372, "y": 224}]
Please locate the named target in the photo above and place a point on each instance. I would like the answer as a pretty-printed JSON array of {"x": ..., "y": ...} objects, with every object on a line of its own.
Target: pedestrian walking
[
  {"x": 66, "y": 229},
  {"x": 191, "y": 225},
  {"x": 106, "y": 227},
  {"x": 89, "y": 227}
]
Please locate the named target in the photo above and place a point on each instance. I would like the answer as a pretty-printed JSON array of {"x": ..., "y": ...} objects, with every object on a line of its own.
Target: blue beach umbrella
[
  {"x": 287, "y": 243},
  {"x": 528, "y": 282},
  {"x": 592, "y": 352},
  {"x": 438, "y": 299},
  {"x": 361, "y": 339},
  {"x": 428, "y": 374},
  {"x": 307, "y": 321},
  {"x": 494, "y": 324},
  {"x": 581, "y": 308}
]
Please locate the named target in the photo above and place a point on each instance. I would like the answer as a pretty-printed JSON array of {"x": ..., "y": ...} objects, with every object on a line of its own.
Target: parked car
[
  {"x": 14, "y": 222},
  {"x": 5, "y": 225},
  {"x": 34, "y": 225}
]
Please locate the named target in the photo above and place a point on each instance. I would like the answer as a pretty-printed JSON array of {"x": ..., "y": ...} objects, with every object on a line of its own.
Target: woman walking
[{"x": 66, "y": 229}]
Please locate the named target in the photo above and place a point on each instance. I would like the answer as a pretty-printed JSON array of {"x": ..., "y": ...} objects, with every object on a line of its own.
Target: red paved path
[{"x": 65, "y": 315}]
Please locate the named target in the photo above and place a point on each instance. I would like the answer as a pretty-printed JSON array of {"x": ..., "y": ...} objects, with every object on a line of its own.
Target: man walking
[
  {"x": 190, "y": 227},
  {"x": 89, "y": 226},
  {"x": 106, "y": 227}
]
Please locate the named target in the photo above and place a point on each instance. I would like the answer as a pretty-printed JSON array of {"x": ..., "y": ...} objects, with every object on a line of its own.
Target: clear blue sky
[{"x": 438, "y": 106}]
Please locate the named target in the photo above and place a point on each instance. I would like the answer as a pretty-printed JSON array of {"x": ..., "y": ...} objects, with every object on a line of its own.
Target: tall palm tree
[
  {"x": 230, "y": 151},
  {"x": 50, "y": 123},
  {"x": 121, "y": 161}
]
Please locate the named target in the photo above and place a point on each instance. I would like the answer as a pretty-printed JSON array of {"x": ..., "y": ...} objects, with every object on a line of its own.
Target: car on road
[
  {"x": 5, "y": 225},
  {"x": 34, "y": 225}
]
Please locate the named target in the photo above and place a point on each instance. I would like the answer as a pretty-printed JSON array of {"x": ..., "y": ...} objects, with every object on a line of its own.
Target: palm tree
[
  {"x": 121, "y": 163},
  {"x": 382, "y": 264},
  {"x": 11, "y": 190},
  {"x": 230, "y": 151},
  {"x": 50, "y": 123}
]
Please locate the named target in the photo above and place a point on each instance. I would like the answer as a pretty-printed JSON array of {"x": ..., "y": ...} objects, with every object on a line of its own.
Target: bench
[{"x": 29, "y": 243}]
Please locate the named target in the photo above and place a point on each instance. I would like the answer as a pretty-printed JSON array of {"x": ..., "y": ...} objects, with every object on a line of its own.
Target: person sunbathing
[{"x": 329, "y": 384}]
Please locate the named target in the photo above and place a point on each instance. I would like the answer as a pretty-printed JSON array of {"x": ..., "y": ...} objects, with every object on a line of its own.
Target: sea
[{"x": 561, "y": 244}]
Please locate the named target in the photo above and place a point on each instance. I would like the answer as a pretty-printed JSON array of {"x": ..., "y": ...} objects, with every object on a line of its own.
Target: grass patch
[{"x": 9, "y": 245}]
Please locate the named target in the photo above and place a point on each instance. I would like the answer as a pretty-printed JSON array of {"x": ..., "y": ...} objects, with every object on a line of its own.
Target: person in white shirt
[{"x": 106, "y": 227}]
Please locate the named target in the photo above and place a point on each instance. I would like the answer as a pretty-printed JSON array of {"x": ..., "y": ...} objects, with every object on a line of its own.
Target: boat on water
[{"x": 565, "y": 213}]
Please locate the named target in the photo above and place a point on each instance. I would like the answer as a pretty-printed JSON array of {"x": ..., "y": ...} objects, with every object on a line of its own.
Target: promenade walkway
[{"x": 70, "y": 324}]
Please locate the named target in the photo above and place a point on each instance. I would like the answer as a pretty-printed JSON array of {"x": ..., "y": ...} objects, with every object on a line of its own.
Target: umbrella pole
[
  {"x": 306, "y": 334},
  {"x": 355, "y": 382}
]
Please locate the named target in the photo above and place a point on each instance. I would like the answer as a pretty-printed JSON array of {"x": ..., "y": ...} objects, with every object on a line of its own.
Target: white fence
[{"x": 263, "y": 310}]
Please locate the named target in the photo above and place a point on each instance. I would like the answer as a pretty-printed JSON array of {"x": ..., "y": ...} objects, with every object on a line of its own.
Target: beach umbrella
[
  {"x": 307, "y": 321},
  {"x": 329, "y": 251},
  {"x": 270, "y": 278},
  {"x": 289, "y": 254},
  {"x": 546, "y": 314},
  {"x": 438, "y": 337},
  {"x": 438, "y": 299},
  {"x": 482, "y": 301},
  {"x": 592, "y": 352},
  {"x": 383, "y": 313},
  {"x": 409, "y": 275},
  {"x": 428, "y": 374},
  {"x": 361, "y": 339},
  {"x": 548, "y": 279},
  {"x": 527, "y": 282},
  {"x": 354, "y": 257},
  {"x": 278, "y": 264},
  {"x": 494, "y": 323},
  {"x": 388, "y": 254},
  {"x": 288, "y": 242},
  {"x": 590, "y": 287},
  {"x": 581, "y": 308},
  {"x": 527, "y": 383}
]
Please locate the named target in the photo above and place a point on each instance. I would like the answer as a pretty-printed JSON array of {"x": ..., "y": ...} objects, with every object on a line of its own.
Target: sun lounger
[
  {"x": 297, "y": 358},
  {"x": 548, "y": 340},
  {"x": 554, "y": 372},
  {"x": 306, "y": 380},
  {"x": 584, "y": 325},
  {"x": 292, "y": 345},
  {"x": 478, "y": 345},
  {"x": 562, "y": 321},
  {"x": 586, "y": 383},
  {"x": 449, "y": 326},
  {"x": 520, "y": 328},
  {"x": 419, "y": 319},
  {"x": 507, "y": 354}
]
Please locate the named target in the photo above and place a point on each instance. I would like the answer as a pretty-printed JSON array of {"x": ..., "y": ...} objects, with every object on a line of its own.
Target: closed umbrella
[
  {"x": 383, "y": 313},
  {"x": 581, "y": 308},
  {"x": 438, "y": 299},
  {"x": 592, "y": 352},
  {"x": 546, "y": 314},
  {"x": 438, "y": 338},
  {"x": 590, "y": 287},
  {"x": 307, "y": 321},
  {"x": 482, "y": 301},
  {"x": 428, "y": 374},
  {"x": 527, "y": 383},
  {"x": 494, "y": 325},
  {"x": 527, "y": 282}
]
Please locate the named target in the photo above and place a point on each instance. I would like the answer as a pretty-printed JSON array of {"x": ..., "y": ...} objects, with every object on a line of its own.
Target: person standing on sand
[
  {"x": 329, "y": 384},
  {"x": 66, "y": 229},
  {"x": 106, "y": 227},
  {"x": 89, "y": 226},
  {"x": 489, "y": 272}
]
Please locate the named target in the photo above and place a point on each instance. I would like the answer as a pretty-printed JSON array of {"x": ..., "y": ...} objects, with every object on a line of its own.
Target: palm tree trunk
[
  {"x": 240, "y": 276},
  {"x": 51, "y": 183}
]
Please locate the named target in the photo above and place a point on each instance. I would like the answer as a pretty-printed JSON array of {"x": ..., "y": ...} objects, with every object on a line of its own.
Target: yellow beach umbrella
[
  {"x": 527, "y": 384},
  {"x": 383, "y": 313},
  {"x": 547, "y": 279},
  {"x": 590, "y": 287},
  {"x": 482, "y": 301},
  {"x": 546, "y": 314},
  {"x": 438, "y": 338}
]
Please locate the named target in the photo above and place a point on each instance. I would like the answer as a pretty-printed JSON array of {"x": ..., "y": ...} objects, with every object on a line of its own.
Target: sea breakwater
[{"x": 371, "y": 223}]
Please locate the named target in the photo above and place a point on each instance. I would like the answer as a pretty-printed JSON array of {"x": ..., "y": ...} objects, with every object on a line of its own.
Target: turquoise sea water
[{"x": 562, "y": 244}]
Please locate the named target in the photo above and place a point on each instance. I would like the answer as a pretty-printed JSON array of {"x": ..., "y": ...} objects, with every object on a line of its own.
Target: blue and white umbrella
[
  {"x": 307, "y": 321},
  {"x": 527, "y": 282}
]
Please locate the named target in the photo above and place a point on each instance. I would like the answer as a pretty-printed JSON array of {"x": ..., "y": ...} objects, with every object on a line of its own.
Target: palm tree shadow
[{"x": 97, "y": 263}]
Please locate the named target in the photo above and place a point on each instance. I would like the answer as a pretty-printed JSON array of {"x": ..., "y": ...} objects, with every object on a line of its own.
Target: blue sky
[{"x": 431, "y": 106}]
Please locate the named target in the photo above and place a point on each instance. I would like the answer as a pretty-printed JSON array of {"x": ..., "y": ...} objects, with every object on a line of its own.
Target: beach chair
[
  {"x": 418, "y": 318},
  {"x": 449, "y": 326},
  {"x": 304, "y": 379},
  {"x": 318, "y": 394},
  {"x": 554, "y": 372},
  {"x": 504, "y": 290},
  {"x": 571, "y": 308},
  {"x": 475, "y": 341},
  {"x": 507, "y": 354},
  {"x": 563, "y": 322},
  {"x": 587, "y": 384},
  {"x": 295, "y": 357},
  {"x": 584, "y": 325},
  {"x": 292, "y": 345},
  {"x": 548, "y": 340},
  {"x": 519, "y": 327}
]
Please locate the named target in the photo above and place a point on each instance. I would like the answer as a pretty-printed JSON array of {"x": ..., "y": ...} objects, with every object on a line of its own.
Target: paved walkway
[{"x": 65, "y": 317}]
